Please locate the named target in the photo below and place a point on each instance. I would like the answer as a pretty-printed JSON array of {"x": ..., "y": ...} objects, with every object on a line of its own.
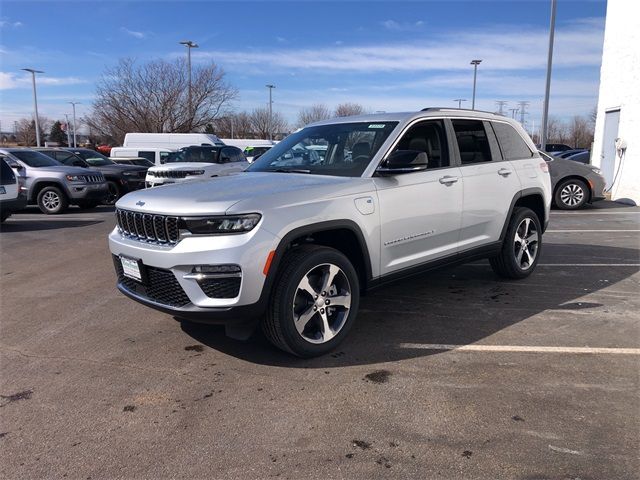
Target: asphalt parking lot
[{"x": 452, "y": 375}]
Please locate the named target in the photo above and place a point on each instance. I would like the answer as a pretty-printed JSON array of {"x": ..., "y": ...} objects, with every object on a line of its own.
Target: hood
[
  {"x": 571, "y": 165},
  {"x": 217, "y": 195},
  {"x": 182, "y": 166}
]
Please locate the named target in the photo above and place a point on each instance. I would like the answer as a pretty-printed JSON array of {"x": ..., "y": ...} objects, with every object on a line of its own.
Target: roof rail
[{"x": 453, "y": 109}]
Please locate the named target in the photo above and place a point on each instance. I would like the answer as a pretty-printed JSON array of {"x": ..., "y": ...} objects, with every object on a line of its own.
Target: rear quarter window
[
  {"x": 6, "y": 174},
  {"x": 511, "y": 143}
]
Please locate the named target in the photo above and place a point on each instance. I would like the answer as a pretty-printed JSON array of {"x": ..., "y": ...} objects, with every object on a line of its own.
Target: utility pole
[
  {"x": 35, "y": 101},
  {"x": 475, "y": 64},
  {"x": 545, "y": 110},
  {"x": 523, "y": 110},
  {"x": 501, "y": 104},
  {"x": 460, "y": 100},
  {"x": 66, "y": 115},
  {"x": 513, "y": 112},
  {"x": 75, "y": 144},
  {"x": 270, "y": 87},
  {"x": 189, "y": 44}
]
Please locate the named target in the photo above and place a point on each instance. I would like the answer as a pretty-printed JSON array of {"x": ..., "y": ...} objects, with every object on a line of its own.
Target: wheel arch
[
  {"x": 39, "y": 185},
  {"x": 532, "y": 198}
]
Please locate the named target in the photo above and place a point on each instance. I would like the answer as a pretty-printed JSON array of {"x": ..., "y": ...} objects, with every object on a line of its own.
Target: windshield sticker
[{"x": 376, "y": 125}]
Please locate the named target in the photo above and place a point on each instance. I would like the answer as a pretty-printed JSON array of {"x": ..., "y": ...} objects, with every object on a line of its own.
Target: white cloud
[
  {"x": 402, "y": 27},
  {"x": 10, "y": 80},
  {"x": 133, "y": 33},
  {"x": 5, "y": 22}
]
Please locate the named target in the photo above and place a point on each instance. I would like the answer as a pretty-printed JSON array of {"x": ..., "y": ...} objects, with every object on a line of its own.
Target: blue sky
[{"x": 386, "y": 55}]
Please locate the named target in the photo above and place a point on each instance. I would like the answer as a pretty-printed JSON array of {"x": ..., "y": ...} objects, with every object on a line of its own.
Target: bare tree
[
  {"x": 260, "y": 123},
  {"x": 580, "y": 132},
  {"x": 348, "y": 109},
  {"x": 311, "y": 114},
  {"x": 556, "y": 131},
  {"x": 26, "y": 130},
  {"x": 236, "y": 125},
  {"x": 153, "y": 98}
]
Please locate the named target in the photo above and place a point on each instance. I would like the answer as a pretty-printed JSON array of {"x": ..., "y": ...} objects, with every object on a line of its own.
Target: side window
[
  {"x": 231, "y": 154},
  {"x": 428, "y": 137},
  {"x": 512, "y": 145},
  {"x": 151, "y": 156},
  {"x": 472, "y": 141},
  {"x": 7, "y": 177},
  {"x": 163, "y": 157}
]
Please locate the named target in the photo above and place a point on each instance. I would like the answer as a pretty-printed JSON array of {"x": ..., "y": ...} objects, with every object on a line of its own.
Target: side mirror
[{"x": 403, "y": 161}]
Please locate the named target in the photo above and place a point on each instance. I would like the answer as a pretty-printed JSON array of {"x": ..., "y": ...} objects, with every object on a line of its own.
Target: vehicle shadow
[
  {"x": 458, "y": 306},
  {"x": 16, "y": 225},
  {"x": 72, "y": 210}
]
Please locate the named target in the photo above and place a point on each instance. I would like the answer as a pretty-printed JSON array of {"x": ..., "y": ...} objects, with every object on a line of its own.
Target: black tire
[
  {"x": 52, "y": 201},
  {"x": 571, "y": 194},
  {"x": 88, "y": 204},
  {"x": 279, "y": 323},
  {"x": 114, "y": 193},
  {"x": 514, "y": 261}
]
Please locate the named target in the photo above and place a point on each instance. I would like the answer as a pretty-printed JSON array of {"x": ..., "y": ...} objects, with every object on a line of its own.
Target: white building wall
[{"x": 620, "y": 87}]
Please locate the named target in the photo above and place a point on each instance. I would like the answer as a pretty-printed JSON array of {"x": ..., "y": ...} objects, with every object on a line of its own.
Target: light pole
[
  {"x": 189, "y": 44},
  {"x": 35, "y": 101},
  {"x": 545, "y": 109},
  {"x": 475, "y": 64},
  {"x": 460, "y": 100},
  {"x": 270, "y": 87},
  {"x": 75, "y": 144},
  {"x": 66, "y": 115}
]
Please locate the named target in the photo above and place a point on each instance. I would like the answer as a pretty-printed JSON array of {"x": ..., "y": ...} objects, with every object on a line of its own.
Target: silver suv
[{"x": 292, "y": 242}]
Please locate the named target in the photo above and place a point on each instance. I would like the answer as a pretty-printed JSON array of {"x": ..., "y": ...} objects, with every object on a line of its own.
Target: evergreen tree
[{"x": 57, "y": 134}]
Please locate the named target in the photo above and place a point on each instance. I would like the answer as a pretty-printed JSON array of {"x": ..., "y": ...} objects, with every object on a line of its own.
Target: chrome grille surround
[{"x": 146, "y": 227}]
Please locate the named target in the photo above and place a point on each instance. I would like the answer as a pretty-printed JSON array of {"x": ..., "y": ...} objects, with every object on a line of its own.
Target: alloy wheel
[
  {"x": 572, "y": 195},
  {"x": 51, "y": 200},
  {"x": 321, "y": 303},
  {"x": 112, "y": 197},
  {"x": 525, "y": 243}
]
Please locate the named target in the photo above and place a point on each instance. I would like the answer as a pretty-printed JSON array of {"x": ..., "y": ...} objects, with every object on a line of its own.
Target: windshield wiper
[{"x": 290, "y": 170}]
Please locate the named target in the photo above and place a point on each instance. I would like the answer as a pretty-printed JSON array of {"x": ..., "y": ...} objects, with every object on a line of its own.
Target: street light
[
  {"x": 35, "y": 101},
  {"x": 460, "y": 100},
  {"x": 475, "y": 64},
  {"x": 189, "y": 44},
  {"x": 75, "y": 144},
  {"x": 545, "y": 109},
  {"x": 270, "y": 87}
]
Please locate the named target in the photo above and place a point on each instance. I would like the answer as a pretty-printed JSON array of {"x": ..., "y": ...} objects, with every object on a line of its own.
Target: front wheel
[
  {"x": 52, "y": 201},
  {"x": 521, "y": 247},
  {"x": 571, "y": 194},
  {"x": 113, "y": 195},
  {"x": 314, "y": 301}
]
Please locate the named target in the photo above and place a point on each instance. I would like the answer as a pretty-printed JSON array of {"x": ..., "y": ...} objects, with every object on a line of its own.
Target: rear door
[
  {"x": 489, "y": 183},
  {"x": 8, "y": 183},
  {"x": 420, "y": 212}
]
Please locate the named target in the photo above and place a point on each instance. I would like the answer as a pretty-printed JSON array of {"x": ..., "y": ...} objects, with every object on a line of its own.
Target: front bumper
[
  {"x": 98, "y": 191},
  {"x": 598, "y": 185},
  {"x": 169, "y": 285}
]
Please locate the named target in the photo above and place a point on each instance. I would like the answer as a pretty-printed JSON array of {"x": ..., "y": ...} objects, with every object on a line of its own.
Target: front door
[
  {"x": 420, "y": 212},
  {"x": 608, "y": 155}
]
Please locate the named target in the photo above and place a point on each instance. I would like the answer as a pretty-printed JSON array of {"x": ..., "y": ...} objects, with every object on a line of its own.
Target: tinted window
[
  {"x": 6, "y": 174},
  {"x": 86, "y": 153},
  {"x": 34, "y": 159},
  {"x": 65, "y": 157},
  {"x": 472, "y": 141},
  {"x": 512, "y": 145},
  {"x": 428, "y": 137},
  {"x": 151, "y": 156},
  {"x": 231, "y": 154}
]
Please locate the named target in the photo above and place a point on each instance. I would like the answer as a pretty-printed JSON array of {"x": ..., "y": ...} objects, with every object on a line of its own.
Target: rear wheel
[
  {"x": 52, "y": 201},
  {"x": 114, "y": 193},
  {"x": 314, "y": 303},
  {"x": 571, "y": 194},
  {"x": 521, "y": 246}
]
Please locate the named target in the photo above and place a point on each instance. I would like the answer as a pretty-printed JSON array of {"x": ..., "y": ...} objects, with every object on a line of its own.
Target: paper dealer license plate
[{"x": 131, "y": 268}]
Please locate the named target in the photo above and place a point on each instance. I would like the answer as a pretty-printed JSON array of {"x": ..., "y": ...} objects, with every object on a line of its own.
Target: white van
[
  {"x": 157, "y": 155},
  {"x": 172, "y": 141}
]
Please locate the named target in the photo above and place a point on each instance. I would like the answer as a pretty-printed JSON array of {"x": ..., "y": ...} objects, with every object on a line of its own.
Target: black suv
[{"x": 121, "y": 179}]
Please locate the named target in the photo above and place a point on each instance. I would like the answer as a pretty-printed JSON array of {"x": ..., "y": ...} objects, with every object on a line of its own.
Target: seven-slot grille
[
  {"x": 93, "y": 178},
  {"x": 147, "y": 227},
  {"x": 169, "y": 173}
]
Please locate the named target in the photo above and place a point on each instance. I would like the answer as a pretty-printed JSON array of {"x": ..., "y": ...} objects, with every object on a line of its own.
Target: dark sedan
[
  {"x": 121, "y": 179},
  {"x": 574, "y": 184}
]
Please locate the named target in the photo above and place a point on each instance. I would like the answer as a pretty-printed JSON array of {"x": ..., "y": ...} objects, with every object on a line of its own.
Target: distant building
[{"x": 616, "y": 146}]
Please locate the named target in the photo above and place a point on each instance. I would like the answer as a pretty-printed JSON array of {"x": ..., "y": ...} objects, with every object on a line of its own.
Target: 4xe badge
[{"x": 140, "y": 203}]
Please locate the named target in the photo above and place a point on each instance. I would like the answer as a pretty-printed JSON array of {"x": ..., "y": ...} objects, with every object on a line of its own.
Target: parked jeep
[
  {"x": 292, "y": 242},
  {"x": 53, "y": 186}
]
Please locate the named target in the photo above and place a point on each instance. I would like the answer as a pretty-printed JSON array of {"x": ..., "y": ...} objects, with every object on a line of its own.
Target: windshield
[
  {"x": 87, "y": 154},
  {"x": 341, "y": 149},
  {"x": 143, "y": 162},
  {"x": 35, "y": 159},
  {"x": 99, "y": 162}
]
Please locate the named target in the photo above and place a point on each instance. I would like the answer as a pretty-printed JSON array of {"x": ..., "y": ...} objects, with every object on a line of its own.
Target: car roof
[{"x": 406, "y": 117}]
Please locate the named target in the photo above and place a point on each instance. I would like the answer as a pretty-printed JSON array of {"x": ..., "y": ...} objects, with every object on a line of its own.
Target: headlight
[
  {"x": 195, "y": 172},
  {"x": 222, "y": 224},
  {"x": 75, "y": 178},
  {"x": 596, "y": 170}
]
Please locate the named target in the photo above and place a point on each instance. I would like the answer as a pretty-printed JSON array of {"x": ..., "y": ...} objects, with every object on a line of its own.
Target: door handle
[
  {"x": 448, "y": 180},
  {"x": 505, "y": 172}
]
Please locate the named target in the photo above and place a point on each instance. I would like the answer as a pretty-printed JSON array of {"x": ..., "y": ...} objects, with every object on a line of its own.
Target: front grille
[
  {"x": 169, "y": 173},
  {"x": 93, "y": 178},
  {"x": 220, "y": 287},
  {"x": 147, "y": 227},
  {"x": 161, "y": 285}
]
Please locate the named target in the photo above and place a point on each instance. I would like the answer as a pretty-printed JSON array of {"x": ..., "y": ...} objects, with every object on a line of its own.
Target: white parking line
[
  {"x": 55, "y": 219},
  {"x": 595, "y": 213},
  {"x": 571, "y": 265},
  {"x": 520, "y": 348},
  {"x": 587, "y": 231}
]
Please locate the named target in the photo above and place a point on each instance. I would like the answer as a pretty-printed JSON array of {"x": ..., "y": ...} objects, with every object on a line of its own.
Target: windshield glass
[
  {"x": 341, "y": 149},
  {"x": 35, "y": 159},
  {"x": 87, "y": 154},
  {"x": 98, "y": 162}
]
